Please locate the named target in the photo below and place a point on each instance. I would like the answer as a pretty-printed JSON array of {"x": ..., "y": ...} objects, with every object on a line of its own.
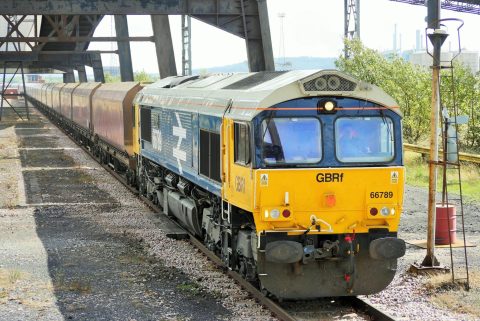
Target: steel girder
[
  {"x": 467, "y": 6},
  {"x": 247, "y": 19},
  {"x": 51, "y": 59}
]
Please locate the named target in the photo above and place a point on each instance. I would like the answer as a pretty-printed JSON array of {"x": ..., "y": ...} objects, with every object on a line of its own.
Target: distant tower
[
  {"x": 395, "y": 39},
  {"x": 281, "y": 50},
  {"x": 352, "y": 12},
  {"x": 418, "y": 41},
  {"x": 186, "y": 45}
]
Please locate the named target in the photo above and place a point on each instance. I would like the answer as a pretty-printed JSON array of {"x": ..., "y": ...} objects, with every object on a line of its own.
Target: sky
[{"x": 310, "y": 28}]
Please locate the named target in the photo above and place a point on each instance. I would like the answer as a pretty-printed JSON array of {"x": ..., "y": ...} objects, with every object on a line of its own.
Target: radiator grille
[
  {"x": 146, "y": 123},
  {"x": 329, "y": 83}
]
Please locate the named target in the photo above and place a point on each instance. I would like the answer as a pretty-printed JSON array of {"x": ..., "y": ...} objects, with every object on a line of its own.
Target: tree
[
  {"x": 142, "y": 76},
  {"x": 407, "y": 84},
  {"x": 467, "y": 92},
  {"x": 110, "y": 78}
]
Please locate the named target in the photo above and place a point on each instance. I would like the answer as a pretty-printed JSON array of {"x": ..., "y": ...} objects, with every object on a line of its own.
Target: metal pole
[
  {"x": 82, "y": 74},
  {"x": 69, "y": 76},
  {"x": 357, "y": 19},
  {"x": 3, "y": 88},
  {"x": 346, "y": 18},
  {"x": 266, "y": 37},
  {"x": 164, "y": 46},
  {"x": 430, "y": 259},
  {"x": 437, "y": 38},
  {"x": 25, "y": 92},
  {"x": 351, "y": 10},
  {"x": 186, "y": 45},
  {"x": 124, "y": 55},
  {"x": 97, "y": 66}
]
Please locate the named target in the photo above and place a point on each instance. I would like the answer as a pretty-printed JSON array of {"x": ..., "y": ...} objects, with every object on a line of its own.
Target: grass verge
[
  {"x": 417, "y": 175},
  {"x": 453, "y": 296}
]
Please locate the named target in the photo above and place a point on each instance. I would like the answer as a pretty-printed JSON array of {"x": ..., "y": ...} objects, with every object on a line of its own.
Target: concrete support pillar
[
  {"x": 69, "y": 76},
  {"x": 266, "y": 46},
  {"x": 164, "y": 46},
  {"x": 124, "y": 55},
  {"x": 97, "y": 66},
  {"x": 82, "y": 74}
]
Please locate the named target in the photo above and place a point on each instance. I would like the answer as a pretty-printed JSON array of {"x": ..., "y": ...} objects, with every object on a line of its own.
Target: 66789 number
[{"x": 381, "y": 194}]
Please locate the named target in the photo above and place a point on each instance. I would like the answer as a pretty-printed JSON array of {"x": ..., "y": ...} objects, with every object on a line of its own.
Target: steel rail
[
  {"x": 364, "y": 305},
  {"x": 471, "y": 158},
  {"x": 360, "y": 305}
]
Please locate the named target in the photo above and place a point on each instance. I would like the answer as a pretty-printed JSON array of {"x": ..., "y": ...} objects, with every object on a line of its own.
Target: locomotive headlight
[
  {"x": 326, "y": 106},
  {"x": 392, "y": 211},
  {"x": 385, "y": 211},
  {"x": 329, "y": 105},
  {"x": 274, "y": 213}
]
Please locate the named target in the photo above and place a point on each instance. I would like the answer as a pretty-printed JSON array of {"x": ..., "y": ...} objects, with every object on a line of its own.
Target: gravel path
[
  {"x": 406, "y": 297},
  {"x": 78, "y": 245}
]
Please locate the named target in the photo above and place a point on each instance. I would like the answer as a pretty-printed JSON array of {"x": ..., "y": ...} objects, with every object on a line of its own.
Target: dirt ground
[{"x": 57, "y": 262}]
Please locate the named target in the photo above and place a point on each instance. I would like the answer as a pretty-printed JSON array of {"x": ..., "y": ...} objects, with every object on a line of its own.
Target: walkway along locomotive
[{"x": 295, "y": 179}]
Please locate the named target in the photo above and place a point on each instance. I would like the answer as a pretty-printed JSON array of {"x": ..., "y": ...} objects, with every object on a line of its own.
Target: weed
[
  {"x": 132, "y": 258},
  {"x": 14, "y": 276},
  {"x": 61, "y": 283},
  {"x": 81, "y": 178},
  {"x": 79, "y": 287},
  {"x": 190, "y": 288},
  {"x": 75, "y": 307},
  {"x": 454, "y": 296},
  {"x": 10, "y": 203}
]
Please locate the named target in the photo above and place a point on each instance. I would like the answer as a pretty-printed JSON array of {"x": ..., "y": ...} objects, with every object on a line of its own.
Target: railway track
[{"x": 360, "y": 305}]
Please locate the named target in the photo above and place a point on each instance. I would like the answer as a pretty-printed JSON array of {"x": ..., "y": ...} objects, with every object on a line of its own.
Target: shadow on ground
[
  {"x": 97, "y": 273},
  {"x": 99, "y": 276}
]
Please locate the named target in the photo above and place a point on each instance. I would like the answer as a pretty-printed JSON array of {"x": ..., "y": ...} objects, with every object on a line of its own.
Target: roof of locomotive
[{"x": 250, "y": 93}]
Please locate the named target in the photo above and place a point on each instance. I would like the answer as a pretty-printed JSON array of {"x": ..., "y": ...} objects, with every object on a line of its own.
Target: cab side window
[{"x": 242, "y": 143}]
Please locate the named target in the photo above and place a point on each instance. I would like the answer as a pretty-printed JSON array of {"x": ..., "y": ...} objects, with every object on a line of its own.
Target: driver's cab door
[{"x": 237, "y": 157}]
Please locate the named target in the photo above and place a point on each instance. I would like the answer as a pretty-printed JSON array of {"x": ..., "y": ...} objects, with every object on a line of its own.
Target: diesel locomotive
[{"x": 295, "y": 179}]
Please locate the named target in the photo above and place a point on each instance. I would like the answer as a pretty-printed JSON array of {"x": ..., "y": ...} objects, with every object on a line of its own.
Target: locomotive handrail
[{"x": 472, "y": 158}]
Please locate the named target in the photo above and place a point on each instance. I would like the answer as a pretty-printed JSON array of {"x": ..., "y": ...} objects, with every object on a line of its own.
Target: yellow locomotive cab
[{"x": 329, "y": 200}]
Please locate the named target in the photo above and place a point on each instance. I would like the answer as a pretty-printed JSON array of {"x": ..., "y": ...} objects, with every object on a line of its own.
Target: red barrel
[{"x": 446, "y": 223}]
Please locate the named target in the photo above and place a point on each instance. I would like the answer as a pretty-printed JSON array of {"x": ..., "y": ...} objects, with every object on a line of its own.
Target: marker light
[
  {"x": 326, "y": 106},
  {"x": 373, "y": 211},
  {"x": 392, "y": 211},
  {"x": 385, "y": 211},
  {"x": 286, "y": 213},
  {"x": 329, "y": 106},
  {"x": 275, "y": 213}
]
